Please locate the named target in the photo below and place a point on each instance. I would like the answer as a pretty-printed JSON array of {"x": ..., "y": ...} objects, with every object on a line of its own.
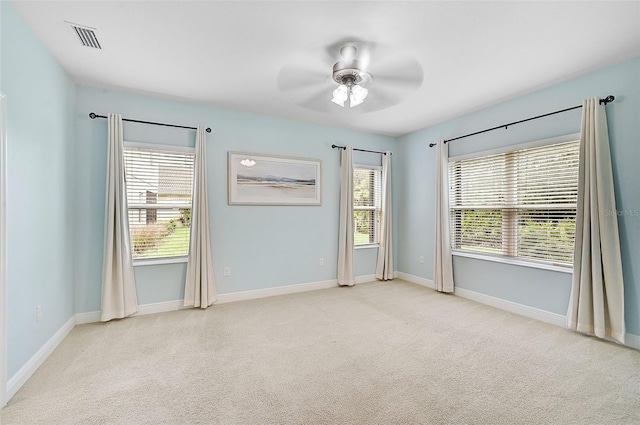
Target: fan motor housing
[{"x": 350, "y": 73}]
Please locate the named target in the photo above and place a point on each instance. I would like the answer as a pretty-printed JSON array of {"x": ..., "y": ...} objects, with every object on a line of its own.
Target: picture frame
[{"x": 262, "y": 179}]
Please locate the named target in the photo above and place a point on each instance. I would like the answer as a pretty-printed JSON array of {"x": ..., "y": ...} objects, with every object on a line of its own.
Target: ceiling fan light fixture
[
  {"x": 340, "y": 95},
  {"x": 358, "y": 95}
]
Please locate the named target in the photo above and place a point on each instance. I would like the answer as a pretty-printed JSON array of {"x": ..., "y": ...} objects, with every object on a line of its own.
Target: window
[
  {"x": 519, "y": 204},
  {"x": 159, "y": 187},
  {"x": 366, "y": 204}
]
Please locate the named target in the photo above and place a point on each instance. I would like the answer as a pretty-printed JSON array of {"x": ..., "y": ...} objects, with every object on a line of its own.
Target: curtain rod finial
[
  {"x": 208, "y": 130},
  {"x": 432, "y": 144},
  {"x": 92, "y": 116},
  {"x": 608, "y": 99}
]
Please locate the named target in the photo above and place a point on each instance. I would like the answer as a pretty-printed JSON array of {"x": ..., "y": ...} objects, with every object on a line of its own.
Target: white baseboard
[
  {"x": 162, "y": 307},
  {"x": 631, "y": 340},
  {"x": 18, "y": 380},
  {"x": 272, "y": 292},
  {"x": 153, "y": 308},
  {"x": 366, "y": 278},
  {"x": 94, "y": 316},
  {"x": 415, "y": 279},
  {"x": 521, "y": 309},
  {"x": 90, "y": 317}
]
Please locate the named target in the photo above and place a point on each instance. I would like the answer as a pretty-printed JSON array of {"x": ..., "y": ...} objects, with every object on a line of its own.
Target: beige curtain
[
  {"x": 596, "y": 305},
  {"x": 346, "y": 274},
  {"x": 200, "y": 288},
  {"x": 384, "y": 266},
  {"x": 119, "y": 297},
  {"x": 443, "y": 267}
]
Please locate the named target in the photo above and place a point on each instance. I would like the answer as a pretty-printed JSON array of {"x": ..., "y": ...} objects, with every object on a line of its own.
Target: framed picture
[{"x": 257, "y": 179}]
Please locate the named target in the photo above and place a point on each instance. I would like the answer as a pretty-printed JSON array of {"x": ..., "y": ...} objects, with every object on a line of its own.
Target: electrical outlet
[
  {"x": 421, "y": 259},
  {"x": 38, "y": 313},
  {"x": 226, "y": 272},
  {"x": 322, "y": 261}
]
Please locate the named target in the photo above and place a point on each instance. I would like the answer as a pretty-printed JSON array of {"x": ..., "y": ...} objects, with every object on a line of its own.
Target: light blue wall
[
  {"x": 542, "y": 289},
  {"x": 265, "y": 246},
  {"x": 40, "y": 138}
]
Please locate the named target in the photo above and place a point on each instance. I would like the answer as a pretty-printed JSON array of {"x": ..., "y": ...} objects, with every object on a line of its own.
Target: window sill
[
  {"x": 158, "y": 261},
  {"x": 370, "y": 245},
  {"x": 514, "y": 261}
]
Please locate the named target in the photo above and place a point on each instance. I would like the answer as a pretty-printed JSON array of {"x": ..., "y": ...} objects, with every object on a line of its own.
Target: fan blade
[
  {"x": 319, "y": 101},
  {"x": 397, "y": 71},
  {"x": 368, "y": 52},
  {"x": 398, "y": 83},
  {"x": 292, "y": 78},
  {"x": 381, "y": 98}
]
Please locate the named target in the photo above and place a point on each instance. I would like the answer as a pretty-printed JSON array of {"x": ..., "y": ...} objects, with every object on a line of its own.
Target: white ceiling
[{"x": 230, "y": 54}]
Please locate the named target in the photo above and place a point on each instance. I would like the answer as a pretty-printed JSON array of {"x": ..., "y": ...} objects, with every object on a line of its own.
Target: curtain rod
[
  {"x": 606, "y": 100},
  {"x": 361, "y": 150},
  {"x": 93, "y": 116}
]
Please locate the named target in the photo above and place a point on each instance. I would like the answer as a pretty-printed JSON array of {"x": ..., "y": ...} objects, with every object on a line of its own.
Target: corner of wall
[{"x": 40, "y": 140}]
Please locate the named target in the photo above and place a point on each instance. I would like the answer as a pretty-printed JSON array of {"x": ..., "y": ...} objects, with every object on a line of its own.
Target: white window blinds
[
  {"x": 517, "y": 204},
  {"x": 159, "y": 190},
  {"x": 366, "y": 205}
]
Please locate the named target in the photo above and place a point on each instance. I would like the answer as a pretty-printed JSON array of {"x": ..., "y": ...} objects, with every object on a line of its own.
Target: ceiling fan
[{"x": 350, "y": 76}]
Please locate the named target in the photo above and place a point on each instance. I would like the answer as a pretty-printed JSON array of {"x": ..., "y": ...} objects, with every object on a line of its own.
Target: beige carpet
[{"x": 378, "y": 353}]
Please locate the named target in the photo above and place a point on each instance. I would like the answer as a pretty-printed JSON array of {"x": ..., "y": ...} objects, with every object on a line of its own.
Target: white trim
[
  {"x": 513, "y": 261},
  {"x": 365, "y": 278},
  {"x": 367, "y": 167},
  {"x": 289, "y": 289},
  {"x": 512, "y": 148},
  {"x": 144, "y": 206},
  {"x": 89, "y": 317},
  {"x": 631, "y": 340},
  {"x": 521, "y": 309},
  {"x": 163, "y": 307},
  {"x": 20, "y": 378},
  {"x": 144, "y": 309},
  {"x": 3, "y": 251},
  {"x": 158, "y": 261},
  {"x": 159, "y": 147},
  {"x": 279, "y": 290},
  {"x": 417, "y": 280},
  {"x": 367, "y": 246}
]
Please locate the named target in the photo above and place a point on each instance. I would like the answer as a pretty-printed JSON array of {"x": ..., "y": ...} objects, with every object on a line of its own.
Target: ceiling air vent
[{"x": 86, "y": 35}]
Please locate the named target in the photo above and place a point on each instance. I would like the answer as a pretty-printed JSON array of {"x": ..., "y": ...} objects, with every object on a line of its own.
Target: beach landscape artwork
[{"x": 259, "y": 179}]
